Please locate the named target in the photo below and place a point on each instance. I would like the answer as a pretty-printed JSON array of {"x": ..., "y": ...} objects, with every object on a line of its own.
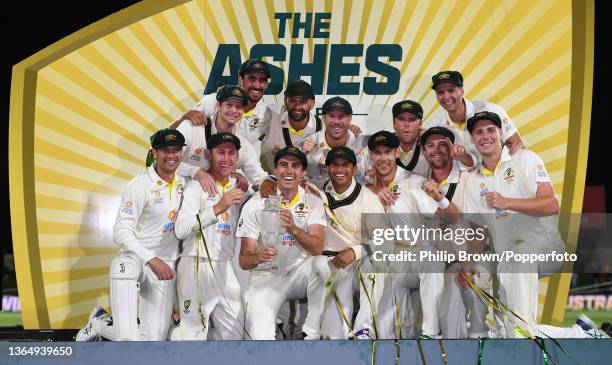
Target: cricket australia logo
[
  {"x": 301, "y": 211},
  {"x": 509, "y": 175},
  {"x": 253, "y": 123}
]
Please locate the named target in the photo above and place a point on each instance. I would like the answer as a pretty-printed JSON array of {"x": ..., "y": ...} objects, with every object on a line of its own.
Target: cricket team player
[
  {"x": 231, "y": 100},
  {"x": 513, "y": 196},
  {"x": 350, "y": 270},
  {"x": 456, "y": 110},
  {"x": 409, "y": 207},
  {"x": 471, "y": 160},
  {"x": 456, "y": 303},
  {"x": 253, "y": 78},
  {"x": 295, "y": 123},
  {"x": 207, "y": 285},
  {"x": 300, "y": 265},
  {"x": 142, "y": 278},
  {"x": 337, "y": 116}
]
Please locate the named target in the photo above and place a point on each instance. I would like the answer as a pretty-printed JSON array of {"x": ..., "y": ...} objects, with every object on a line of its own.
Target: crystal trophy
[{"x": 271, "y": 229}]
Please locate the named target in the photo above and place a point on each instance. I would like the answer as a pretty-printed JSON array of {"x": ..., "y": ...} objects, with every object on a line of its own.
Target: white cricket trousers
[
  {"x": 137, "y": 294},
  {"x": 457, "y": 303},
  {"x": 268, "y": 290},
  {"x": 203, "y": 295},
  {"x": 428, "y": 277},
  {"x": 345, "y": 283},
  {"x": 519, "y": 290}
]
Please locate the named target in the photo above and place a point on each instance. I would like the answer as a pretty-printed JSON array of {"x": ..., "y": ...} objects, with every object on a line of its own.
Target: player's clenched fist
[
  {"x": 430, "y": 187},
  {"x": 161, "y": 269},
  {"x": 344, "y": 258}
]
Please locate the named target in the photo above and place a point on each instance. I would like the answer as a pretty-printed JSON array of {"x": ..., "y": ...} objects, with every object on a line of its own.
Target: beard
[{"x": 298, "y": 116}]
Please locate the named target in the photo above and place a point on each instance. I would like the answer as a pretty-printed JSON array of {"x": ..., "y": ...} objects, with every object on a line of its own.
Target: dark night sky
[{"x": 30, "y": 27}]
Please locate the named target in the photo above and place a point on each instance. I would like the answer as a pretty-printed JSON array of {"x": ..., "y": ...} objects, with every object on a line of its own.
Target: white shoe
[
  {"x": 590, "y": 328},
  {"x": 87, "y": 333},
  {"x": 363, "y": 334}
]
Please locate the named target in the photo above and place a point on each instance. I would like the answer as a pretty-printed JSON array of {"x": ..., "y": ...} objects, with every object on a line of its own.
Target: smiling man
[
  {"x": 253, "y": 78},
  {"x": 337, "y": 116},
  {"x": 207, "y": 283},
  {"x": 141, "y": 274},
  {"x": 300, "y": 265},
  {"x": 456, "y": 304},
  {"x": 456, "y": 110},
  {"x": 231, "y": 101},
  {"x": 409, "y": 204},
  {"x": 512, "y": 196},
  {"x": 407, "y": 121},
  {"x": 345, "y": 202},
  {"x": 294, "y": 125}
]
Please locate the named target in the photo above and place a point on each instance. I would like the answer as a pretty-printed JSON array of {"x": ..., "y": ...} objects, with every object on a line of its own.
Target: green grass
[
  {"x": 10, "y": 319},
  {"x": 598, "y": 316}
]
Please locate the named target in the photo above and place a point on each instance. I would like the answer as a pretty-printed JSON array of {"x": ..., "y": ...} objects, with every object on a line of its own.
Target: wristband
[{"x": 444, "y": 203}]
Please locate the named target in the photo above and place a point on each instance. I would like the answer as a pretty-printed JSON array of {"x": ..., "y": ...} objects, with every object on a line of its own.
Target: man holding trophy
[{"x": 283, "y": 266}]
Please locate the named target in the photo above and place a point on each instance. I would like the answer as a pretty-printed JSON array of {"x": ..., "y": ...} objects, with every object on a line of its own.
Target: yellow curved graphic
[{"x": 82, "y": 110}]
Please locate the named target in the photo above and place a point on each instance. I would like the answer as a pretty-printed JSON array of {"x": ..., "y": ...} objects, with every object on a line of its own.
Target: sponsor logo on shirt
[
  {"x": 224, "y": 229},
  {"x": 225, "y": 216},
  {"x": 168, "y": 227},
  {"x": 158, "y": 198},
  {"x": 498, "y": 212},
  {"x": 127, "y": 207},
  {"x": 195, "y": 157},
  {"x": 172, "y": 215},
  {"x": 541, "y": 172},
  {"x": 287, "y": 240}
]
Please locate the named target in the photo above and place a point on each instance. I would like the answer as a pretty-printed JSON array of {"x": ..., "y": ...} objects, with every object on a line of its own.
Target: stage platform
[{"x": 340, "y": 352}]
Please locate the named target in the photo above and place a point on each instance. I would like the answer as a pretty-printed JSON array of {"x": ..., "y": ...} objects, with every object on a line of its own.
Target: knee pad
[{"x": 125, "y": 267}]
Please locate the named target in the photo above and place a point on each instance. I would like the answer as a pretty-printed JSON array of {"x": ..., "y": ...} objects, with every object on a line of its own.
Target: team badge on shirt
[
  {"x": 509, "y": 175},
  {"x": 301, "y": 211},
  {"x": 186, "y": 305},
  {"x": 254, "y": 123}
]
